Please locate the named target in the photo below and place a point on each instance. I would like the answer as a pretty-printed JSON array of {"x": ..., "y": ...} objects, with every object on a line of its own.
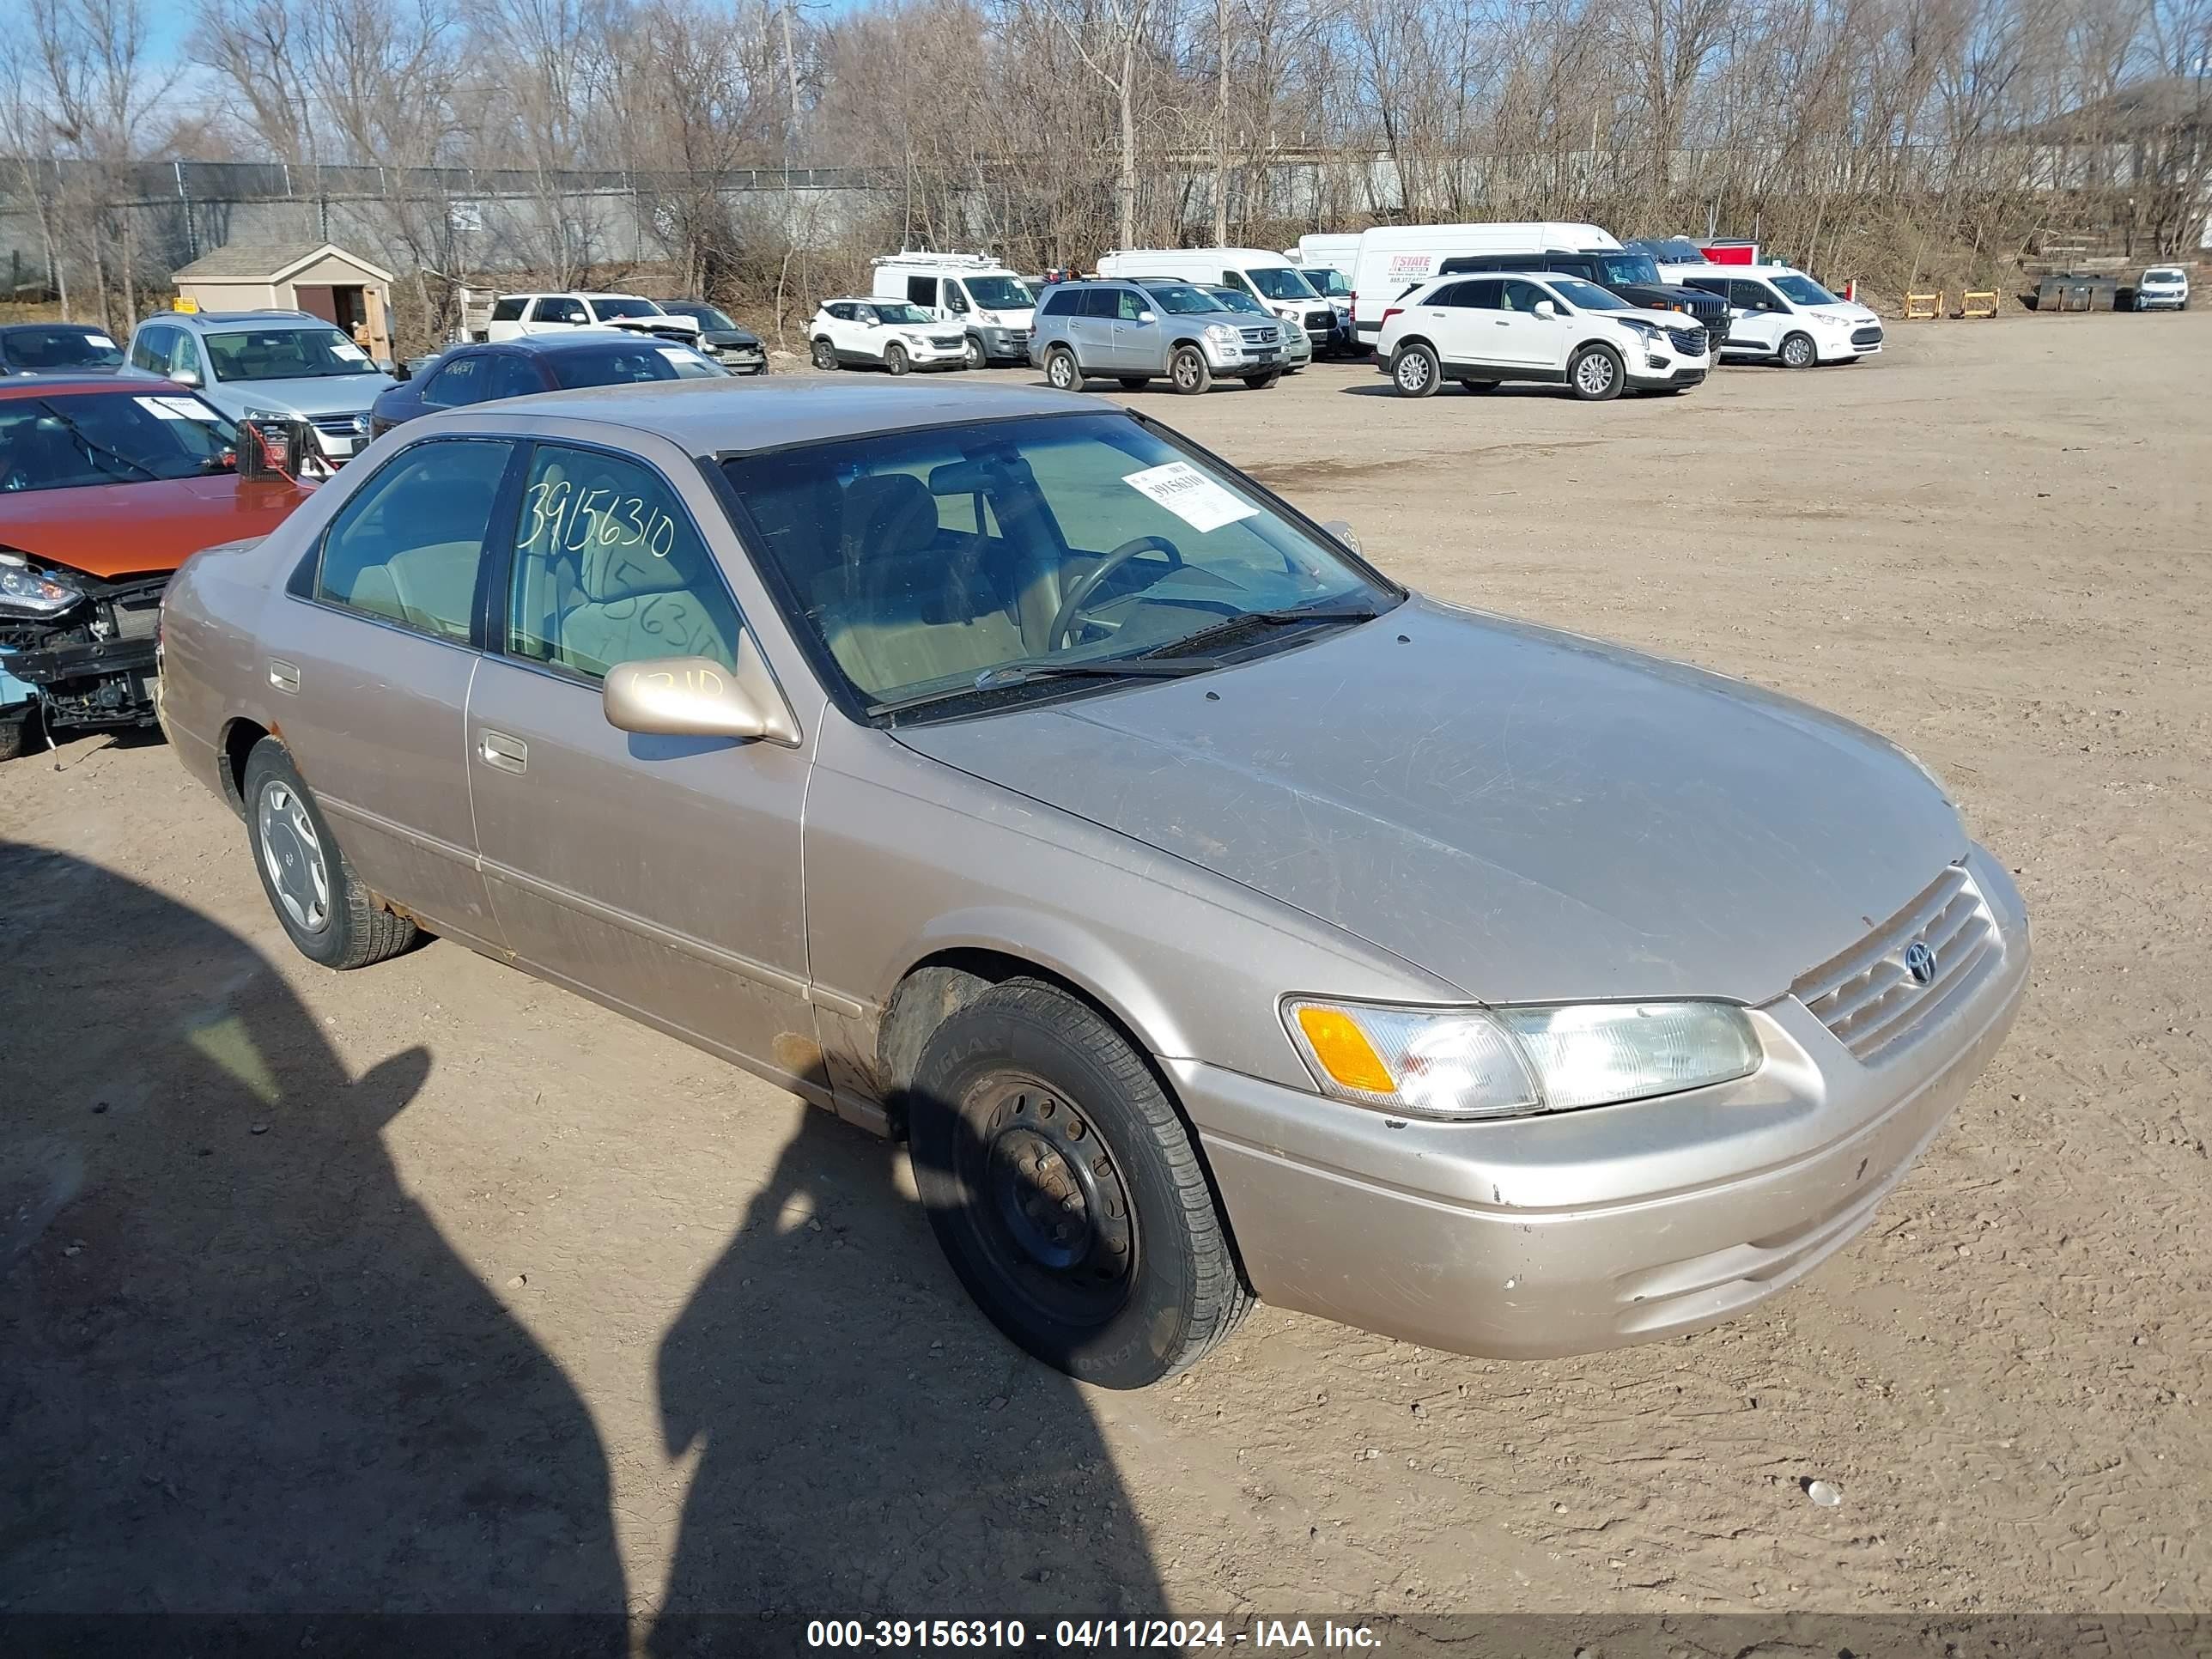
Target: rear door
[
  {"x": 1529, "y": 341},
  {"x": 369, "y": 668},
  {"x": 1091, "y": 330},
  {"x": 1470, "y": 329},
  {"x": 660, "y": 874},
  {"x": 1136, "y": 347}
]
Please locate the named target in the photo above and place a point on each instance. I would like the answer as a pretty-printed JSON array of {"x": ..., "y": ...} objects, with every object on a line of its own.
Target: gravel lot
[{"x": 433, "y": 1287}]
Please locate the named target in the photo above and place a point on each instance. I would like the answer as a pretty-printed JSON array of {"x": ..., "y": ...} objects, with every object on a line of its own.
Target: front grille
[
  {"x": 1259, "y": 337},
  {"x": 1319, "y": 321},
  {"x": 1870, "y": 335},
  {"x": 944, "y": 341},
  {"x": 1868, "y": 998},
  {"x": 1690, "y": 342},
  {"x": 340, "y": 426}
]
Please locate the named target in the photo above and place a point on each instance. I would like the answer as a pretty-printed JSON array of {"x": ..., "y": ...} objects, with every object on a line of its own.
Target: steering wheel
[{"x": 1086, "y": 586}]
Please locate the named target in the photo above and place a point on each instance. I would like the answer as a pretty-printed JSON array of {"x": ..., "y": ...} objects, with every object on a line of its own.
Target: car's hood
[
  {"x": 665, "y": 325},
  {"x": 317, "y": 394},
  {"x": 1680, "y": 293},
  {"x": 138, "y": 529},
  {"x": 1663, "y": 319},
  {"x": 1528, "y": 814},
  {"x": 1846, "y": 311},
  {"x": 729, "y": 336}
]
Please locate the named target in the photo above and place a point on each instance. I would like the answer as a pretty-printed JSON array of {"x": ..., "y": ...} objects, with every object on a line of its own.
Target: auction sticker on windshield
[
  {"x": 170, "y": 408},
  {"x": 1189, "y": 495}
]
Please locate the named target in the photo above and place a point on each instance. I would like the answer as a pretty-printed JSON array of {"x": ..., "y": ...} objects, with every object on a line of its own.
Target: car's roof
[
  {"x": 712, "y": 417},
  {"x": 85, "y": 328},
  {"x": 46, "y": 386},
  {"x": 233, "y": 319}
]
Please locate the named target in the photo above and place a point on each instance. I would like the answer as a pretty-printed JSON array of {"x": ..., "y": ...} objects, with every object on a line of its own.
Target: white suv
[
  {"x": 2163, "y": 287},
  {"x": 514, "y": 315},
  {"x": 893, "y": 334},
  {"x": 1484, "y": 330}
]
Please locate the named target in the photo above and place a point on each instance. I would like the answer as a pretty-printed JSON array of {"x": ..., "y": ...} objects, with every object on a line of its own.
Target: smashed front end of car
[{"x": 86, "y": 643}]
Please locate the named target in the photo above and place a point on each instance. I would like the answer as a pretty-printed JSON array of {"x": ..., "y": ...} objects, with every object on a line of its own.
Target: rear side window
[
  {"x": 408, "y": 548},
  {"x": 922, "y": 290},
  {"x": 1479, "y": 295},
  {"x": 508, "y": 310},
  {"x": 1103, "y": 301}
]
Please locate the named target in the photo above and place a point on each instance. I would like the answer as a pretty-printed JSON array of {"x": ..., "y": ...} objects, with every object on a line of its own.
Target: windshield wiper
[
  {"x": 93, "y": 445},
  {"x": 1007, "y": 675},
  {"x": 1229, "y": 626}
]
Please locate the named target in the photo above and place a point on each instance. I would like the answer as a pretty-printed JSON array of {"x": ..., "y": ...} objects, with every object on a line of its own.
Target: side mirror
[
  {"x": 699, "y": 697},
  {"x": 1147, "y": 317},
  {"x": 1547, "y": 310},
  {"x": 185, "y": 376},
  {"x": 1340, "y": 530}
]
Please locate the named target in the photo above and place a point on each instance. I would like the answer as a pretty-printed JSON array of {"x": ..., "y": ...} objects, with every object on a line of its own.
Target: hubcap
[
  {"x": 292, "y": 853},
  {"x": 1796, "y": 352},
  {"x": 1595, "y": 375},
  {"x": 1053, "y": 1207}
]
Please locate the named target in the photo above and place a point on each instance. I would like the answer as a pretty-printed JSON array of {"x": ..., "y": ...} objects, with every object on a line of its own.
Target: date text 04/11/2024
[{"x": 1091, "y": 1635}]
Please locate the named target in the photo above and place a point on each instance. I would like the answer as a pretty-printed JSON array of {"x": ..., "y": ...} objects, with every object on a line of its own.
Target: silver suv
[
  {"x": 268, "y": 366},
  {"x": 1134, "y": 332}
]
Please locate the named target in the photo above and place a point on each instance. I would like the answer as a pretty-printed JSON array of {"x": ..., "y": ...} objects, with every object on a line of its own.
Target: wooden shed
[{"x": 321, "y": 279}]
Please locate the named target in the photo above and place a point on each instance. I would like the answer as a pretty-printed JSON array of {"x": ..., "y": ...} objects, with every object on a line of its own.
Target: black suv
[{"x": 1633, "y": 275}]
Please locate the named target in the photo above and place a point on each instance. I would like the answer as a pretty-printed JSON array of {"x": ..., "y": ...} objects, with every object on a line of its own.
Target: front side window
[
  {"x": 1804, "y": 290},
  {"x": 65, "y": 442},
  {"x": 460, "y": 381},
  {"x": 151, "y": 350},
  {"x": 624, "y": 365},
  {"x": 920, "y": 561},
  {"x": 609, "y": 568},
  {"x": 185, "y": 360},
  {"x": 408, "y": 546},
  {"x": 61, "y": 346},
  {"x": 1129, "y": 305},
  {"x": 511, "y": 375},
  {"x": 1281, "y": 283},
  {"x": 1756, "y": 296},
  {"x": 955, "y": 300},
  {"x": 559, "y": 308},
  {"x": 1522, "y": 297},
  {"x": 285, "y": 352}
]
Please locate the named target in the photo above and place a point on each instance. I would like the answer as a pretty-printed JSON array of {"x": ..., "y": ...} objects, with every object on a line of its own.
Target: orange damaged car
[{"x": 106, "y": 485}]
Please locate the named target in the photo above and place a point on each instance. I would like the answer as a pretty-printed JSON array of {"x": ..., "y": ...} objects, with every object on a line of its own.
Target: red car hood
[{"x": 142, "y": 529}]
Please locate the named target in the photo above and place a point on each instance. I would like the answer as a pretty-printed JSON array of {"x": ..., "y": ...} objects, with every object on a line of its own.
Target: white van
[
  {"x": 993, "y": 306},
  {"x": 1778, "y": 313},
  {"x": 1393, "y": 259},
  {"x": 1267, "y": 276},
  {"x": 1337, "y": 250}
]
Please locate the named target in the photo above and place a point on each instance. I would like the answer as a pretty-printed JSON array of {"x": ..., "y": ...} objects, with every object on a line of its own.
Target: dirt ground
[{"x": 433, "y": 1287}]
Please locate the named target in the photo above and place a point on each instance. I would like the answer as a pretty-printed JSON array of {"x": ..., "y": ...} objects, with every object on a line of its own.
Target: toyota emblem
[{"x": 1920, "y": 963}]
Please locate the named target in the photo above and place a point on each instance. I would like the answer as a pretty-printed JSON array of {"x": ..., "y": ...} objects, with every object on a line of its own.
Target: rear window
[
  {"x": 63, "y": 346},
  {"x": 622, "y": 365},
  {"x": 508, "y": 310}
]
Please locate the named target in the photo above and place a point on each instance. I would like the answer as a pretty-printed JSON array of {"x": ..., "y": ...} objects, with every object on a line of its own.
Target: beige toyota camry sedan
[{"x": 1215, "y": 918}]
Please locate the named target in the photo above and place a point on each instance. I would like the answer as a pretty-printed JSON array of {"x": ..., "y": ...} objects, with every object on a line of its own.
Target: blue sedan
[{"x": 537, "y": 362}]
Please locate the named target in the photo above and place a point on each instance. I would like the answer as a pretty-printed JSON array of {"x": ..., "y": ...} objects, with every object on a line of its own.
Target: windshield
[
  {"x": 620, "y": 365},
  {"x": 1182, "y": 299},
  {"x": 1628, "y": 267},
  {"x": 66, "y": 443},
  {"x": 1047, "y": 541},
  {"x": 1236, "y": 299},
  {"x": 1328, "y": 283},
  {"x": 1588, "y": 296},
  {"x": 1672, "y": 250},
  {"x": 285, "y": 353},
  {"x": 705, "y": 316},
  {"x": 626, "y": 308},
  {"x": 1804, "y": 290},
  {"x": 2164, "y": 274},
  {"x": 1000, "y": 293},
  {"x": 60, "y": 347},
  {"x": 903, "y": 312},
  {"x": 1280, "y": 283}
]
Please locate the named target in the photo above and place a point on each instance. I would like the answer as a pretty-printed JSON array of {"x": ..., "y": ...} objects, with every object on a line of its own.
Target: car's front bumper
[
  {"x": 1003, "y": 345},
  {"x": 1244, "y": 358},
  {"x": 1652, "y": 370},
  {"x": 1578, "y": 1231},
  {"x": 740, "y": 360}
]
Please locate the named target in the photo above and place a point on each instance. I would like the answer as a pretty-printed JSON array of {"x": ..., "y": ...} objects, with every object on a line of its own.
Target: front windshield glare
[
  {"x": 1804, "y": 290},
  {"x": 1588, "y": 296},
  {"x": 920, "y": 561},
  {"x": 1000, "y": 294},
  {"x": 1280, "y": 283},
  {"x": 70, "y": 442},
  {"x": 1181, "y": 300},
  {"x": 285, "y": 353}
]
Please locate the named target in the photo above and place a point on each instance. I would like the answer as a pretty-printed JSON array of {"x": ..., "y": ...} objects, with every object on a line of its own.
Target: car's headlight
[
  {"x": 1638, "y": 326},
  {"x": 268, "y": 414},
  {"x": 28, "y": 592},
  {"x": 1221, "y": 334},
  {"x": 1460, "y": 1063},
  {"x": 989, "y": 318}
]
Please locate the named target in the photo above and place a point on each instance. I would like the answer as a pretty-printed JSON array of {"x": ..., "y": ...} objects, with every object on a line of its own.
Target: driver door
[{"x": 1527, "y": 341}]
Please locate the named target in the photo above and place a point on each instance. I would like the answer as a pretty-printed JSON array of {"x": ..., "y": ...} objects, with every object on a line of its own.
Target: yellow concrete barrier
[{"x": 1923, "y": 307}]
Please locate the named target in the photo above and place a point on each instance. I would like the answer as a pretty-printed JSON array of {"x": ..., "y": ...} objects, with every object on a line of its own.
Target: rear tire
[
  {"x": 1797, "y": 351},
  {"x": 1596, "y": 375},
  {"x": 1188, "y": 372},
  {"x": 1062, "y": 370},
  {"x": 1066, "y": 1192},
  {"x": 322, "y": 904},
  {"x": 894, "y": 359},
  {"x": 1414, "y": 371},
  {"x": 825, "y": 355}
]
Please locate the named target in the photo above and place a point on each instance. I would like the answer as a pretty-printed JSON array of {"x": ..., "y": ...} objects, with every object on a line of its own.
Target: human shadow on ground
[{"x": 244, "y": 1372}]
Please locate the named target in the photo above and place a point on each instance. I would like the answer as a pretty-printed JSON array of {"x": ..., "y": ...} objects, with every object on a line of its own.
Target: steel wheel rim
[
  {"x": 1052, "y": 1212},
  {"x": 1595, "y": 374},
  {"x": 292, "y": 853},
  {"x": 1413, "y": 371}
]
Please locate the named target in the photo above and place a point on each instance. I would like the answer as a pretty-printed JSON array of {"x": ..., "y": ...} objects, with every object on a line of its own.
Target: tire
[
  {"x": 1414, "y": 371},
  {"x": 298, "y": 859},
  {"x": 972, "y": 355},
  {"x": 1006, "y": 1087},
  {"x": 825, "y": 355},
  {"x": 894, "y": 359},
  {"x": 1261, "y": 382},
  {"x": 19, "y": 731},
  {"x": 1188, "y": 372},
  {"x": 1061, "y": 369},
  {"x": 1595, "y": 375},
  {"x": 1797, "y": 351},
  {"x": 1135, "y": 382}
]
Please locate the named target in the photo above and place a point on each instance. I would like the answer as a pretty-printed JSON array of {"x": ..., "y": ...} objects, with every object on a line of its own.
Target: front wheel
[
  {"x": 971, "y": 355},
  {"x": 1062, "y": 370},
  {"x": 1596, "y": 375},
  {"x": 19, "y": 730},
  {"x": 1189, "y": 372},
  {"x": 1066, "y": 1192},
  {"x": 1414, "y": 371},
  {"x": 894, "y": 359},
  {"x": 1797, "y": 351},
  {"x": 825, "y": 355},
  {"x": 330, "y": 916}
]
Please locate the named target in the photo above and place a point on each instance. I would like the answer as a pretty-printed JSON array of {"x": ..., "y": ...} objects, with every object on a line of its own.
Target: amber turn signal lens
[{"x": 1343, "y": 1051}]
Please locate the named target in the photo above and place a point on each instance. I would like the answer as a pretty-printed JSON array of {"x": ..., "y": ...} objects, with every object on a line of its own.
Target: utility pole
[{"x": 1221, "y": 124}]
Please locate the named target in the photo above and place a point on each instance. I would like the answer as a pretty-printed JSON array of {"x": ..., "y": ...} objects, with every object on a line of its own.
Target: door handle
[
  {"x": 284, "y": 676},
  {"x": 506, "y": 753},
  {"x": 1501, "y": 322}
]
